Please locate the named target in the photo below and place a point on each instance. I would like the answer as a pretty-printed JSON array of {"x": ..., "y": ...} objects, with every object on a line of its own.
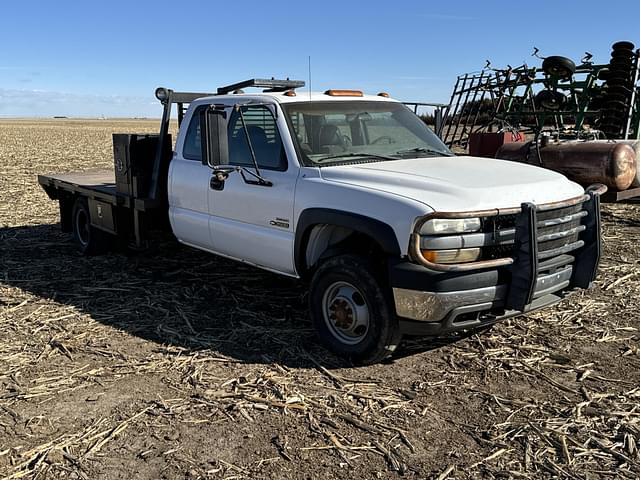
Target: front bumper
[
  {"x": 472, "y": 316},
  {"x": 432, "y": 302}
]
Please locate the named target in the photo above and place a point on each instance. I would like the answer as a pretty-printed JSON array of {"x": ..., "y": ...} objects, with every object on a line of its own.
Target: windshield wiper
[
  {"x": 424, "y": 150},
  {"x": 357, "y": 154}
]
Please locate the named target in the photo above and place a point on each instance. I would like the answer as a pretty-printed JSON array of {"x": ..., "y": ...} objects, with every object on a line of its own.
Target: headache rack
[
  {"x": 546, "y": 248},
  {"x": 182, "y": 100}
]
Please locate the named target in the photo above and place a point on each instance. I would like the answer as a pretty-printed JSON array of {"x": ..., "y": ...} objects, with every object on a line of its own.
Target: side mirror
[{"x": 213, "y": 132}]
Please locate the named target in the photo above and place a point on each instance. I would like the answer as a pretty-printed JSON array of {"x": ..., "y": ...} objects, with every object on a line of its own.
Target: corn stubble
[{"x": 172, "y": 363}]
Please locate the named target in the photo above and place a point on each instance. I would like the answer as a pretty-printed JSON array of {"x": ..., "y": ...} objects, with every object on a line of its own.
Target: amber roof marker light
[
  {"x": 383, "y": 94},
  {"x": 344, "y": 93}
]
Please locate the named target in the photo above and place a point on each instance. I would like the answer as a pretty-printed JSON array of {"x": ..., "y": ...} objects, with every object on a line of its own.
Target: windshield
[{"x": 330, "y": 133}]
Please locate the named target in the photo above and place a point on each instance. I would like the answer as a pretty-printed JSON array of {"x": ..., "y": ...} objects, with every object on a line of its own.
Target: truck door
[
  {"x": 188, "y": 189},
  {"x": 250, "y": 222}
]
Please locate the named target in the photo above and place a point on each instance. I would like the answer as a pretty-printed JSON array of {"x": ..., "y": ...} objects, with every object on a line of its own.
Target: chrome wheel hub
[{"x": 346, "y": 313}]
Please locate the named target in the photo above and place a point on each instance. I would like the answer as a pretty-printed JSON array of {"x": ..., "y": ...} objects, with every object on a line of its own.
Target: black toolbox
[{"x": 134, "y": 156}]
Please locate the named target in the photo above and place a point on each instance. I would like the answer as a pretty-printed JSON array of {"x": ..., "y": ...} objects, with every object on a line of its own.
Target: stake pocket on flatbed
[{"x": 353, "y": 193}]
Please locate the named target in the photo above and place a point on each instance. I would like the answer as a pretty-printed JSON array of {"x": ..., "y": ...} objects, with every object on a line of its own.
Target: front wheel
[{"x": 351, "y": 310}]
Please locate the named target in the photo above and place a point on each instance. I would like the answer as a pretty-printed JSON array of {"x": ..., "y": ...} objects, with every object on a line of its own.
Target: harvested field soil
[{"x": 173, "y": 363}]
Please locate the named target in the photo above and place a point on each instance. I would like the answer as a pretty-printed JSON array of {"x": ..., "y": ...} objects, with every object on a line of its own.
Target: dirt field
[{"x": 175, "y": 364}]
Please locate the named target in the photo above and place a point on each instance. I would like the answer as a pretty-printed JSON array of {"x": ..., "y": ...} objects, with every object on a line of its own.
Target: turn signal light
[
  {"x": 344, "y": 93},
  {"x": 461, "y": 255}
]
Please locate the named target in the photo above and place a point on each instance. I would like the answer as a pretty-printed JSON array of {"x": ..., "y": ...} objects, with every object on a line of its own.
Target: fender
[{"x": 379, "y": 231}]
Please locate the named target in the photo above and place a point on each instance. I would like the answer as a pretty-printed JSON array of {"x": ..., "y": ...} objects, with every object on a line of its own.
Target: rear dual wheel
[
  {"x": 352, "y": 310},
  {"x": 90, "y": 240}
]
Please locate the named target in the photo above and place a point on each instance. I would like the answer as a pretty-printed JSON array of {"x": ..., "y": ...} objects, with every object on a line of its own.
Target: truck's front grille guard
[{"x": 546, "y": 227}]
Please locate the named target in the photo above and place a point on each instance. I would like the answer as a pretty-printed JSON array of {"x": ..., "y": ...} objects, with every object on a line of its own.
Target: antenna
[{"x": 309, "y": 77}]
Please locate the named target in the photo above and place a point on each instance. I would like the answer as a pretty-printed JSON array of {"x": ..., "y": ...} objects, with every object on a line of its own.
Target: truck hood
[{"x": 458, "y": 183}]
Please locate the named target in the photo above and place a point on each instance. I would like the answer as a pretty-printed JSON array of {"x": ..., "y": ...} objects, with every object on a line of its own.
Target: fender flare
[{"x": 382, "y": 233}]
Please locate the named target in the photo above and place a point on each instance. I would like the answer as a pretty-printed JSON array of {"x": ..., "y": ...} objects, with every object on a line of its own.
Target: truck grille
[
  {"x": 540, "y": 249},
  {"x": 559, "y": 229},
  {"x": 558, "y": 232},
  {"x": 557, "y": 236}
]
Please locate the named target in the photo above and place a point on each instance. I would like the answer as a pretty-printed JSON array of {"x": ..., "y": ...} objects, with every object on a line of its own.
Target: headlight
[
  {"x": 461, "y": 255},
  {"x": 443, "y": 226}
]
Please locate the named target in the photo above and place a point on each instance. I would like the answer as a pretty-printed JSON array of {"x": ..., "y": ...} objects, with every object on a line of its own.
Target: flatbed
[
  {"x": 120, "y": 201},
  {"x": 113, "y": 211},
  {"x": 97, "y": 183}
]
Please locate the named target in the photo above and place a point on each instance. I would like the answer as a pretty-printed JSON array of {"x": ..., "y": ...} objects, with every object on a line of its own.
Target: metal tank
[
  {"x": 635, "y": 144},
  {"x": 607, "y": 162}
]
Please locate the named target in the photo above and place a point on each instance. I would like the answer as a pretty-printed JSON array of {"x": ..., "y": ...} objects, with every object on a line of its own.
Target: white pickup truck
[{"x": 353, "y": 193}]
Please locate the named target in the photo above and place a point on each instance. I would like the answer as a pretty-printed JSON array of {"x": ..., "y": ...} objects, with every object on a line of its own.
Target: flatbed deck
[
  {"x": 103, "y": 181},
  {"x": 96, "y": 184}
]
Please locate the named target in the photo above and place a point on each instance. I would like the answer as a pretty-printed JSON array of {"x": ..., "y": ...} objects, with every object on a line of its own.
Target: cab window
[
  {"x": 192, "y": 148},
  {"x": 265, "y": 139},
  {"x": 263, "y": 132}
]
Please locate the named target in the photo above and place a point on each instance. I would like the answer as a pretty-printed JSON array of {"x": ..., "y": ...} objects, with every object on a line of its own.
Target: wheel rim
[
  {"x": 346, "y": 313},
  {"x": 82, "y": 227},
  {"x": 550, "y": 100}
]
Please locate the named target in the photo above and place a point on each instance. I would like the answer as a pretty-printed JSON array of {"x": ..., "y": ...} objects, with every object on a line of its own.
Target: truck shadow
[{"x": 172, "y": 295}]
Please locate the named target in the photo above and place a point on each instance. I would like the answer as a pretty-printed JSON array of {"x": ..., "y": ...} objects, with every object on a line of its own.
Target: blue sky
[{"x": 106, "y": 58}]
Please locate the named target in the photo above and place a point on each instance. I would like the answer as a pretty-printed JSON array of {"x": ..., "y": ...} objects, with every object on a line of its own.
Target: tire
[
  {"x": 352, "y": 310},
  {"x": 623, "y": 45},
  {"x": 89, "y": 240},
  {"x": 618, "y": 59},
  {"x": 550, "y": 100},
  {"x": 561, "y": 67},
  {"x": 624, "y": 54}
]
